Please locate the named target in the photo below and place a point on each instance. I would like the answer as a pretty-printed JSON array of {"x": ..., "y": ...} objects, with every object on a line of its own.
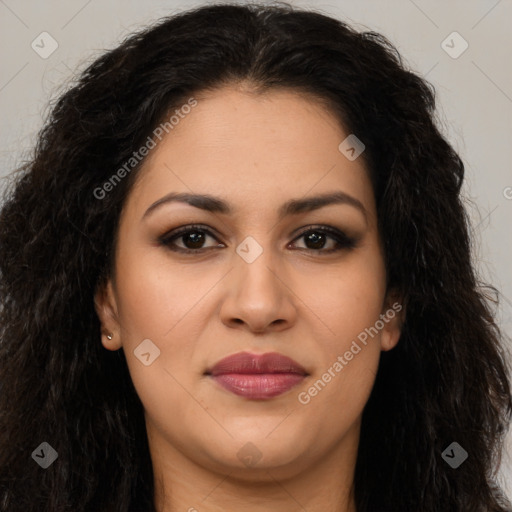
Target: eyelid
[
  {"x": 338, "y": 235},
  {"x": 177, "y": 232}
]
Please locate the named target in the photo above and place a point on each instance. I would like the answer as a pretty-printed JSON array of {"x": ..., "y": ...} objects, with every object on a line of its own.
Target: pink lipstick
[{"x": 257, "y": 377}]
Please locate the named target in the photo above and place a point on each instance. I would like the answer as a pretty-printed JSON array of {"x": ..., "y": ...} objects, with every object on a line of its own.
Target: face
[{"x": 283, "y": 256}]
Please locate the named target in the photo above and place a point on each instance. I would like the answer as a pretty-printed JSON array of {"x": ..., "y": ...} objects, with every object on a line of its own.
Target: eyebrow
[{"x": 292, "y": 207}]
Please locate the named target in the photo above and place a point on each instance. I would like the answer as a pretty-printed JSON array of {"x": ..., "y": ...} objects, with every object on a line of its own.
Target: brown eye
[
  {"x": 316, "y": 239},
  {"x": 192, "y": 239}
]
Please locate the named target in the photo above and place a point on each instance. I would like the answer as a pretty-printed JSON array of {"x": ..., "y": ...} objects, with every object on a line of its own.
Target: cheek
[
  {"x": 155, "y": 308},
  {"x": 349, "y": 357},
  {"x": 349, "y": 349},
  {"x": 349, "y": 297},
  {"x": 154, "y": 295},
  {"x": 159, "y": 301}
]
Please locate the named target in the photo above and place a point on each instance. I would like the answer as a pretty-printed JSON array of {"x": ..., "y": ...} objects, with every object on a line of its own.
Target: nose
[{"x": 258, "y": 299}]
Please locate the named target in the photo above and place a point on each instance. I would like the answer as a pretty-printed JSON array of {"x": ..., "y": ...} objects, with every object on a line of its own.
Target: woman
[{"x": 236, "y": 275}]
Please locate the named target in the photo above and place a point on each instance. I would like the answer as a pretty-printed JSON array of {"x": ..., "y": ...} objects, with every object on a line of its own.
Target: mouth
[{"x": 257, "y": 377}]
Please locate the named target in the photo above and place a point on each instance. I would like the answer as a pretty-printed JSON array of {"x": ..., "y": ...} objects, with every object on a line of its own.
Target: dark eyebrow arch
[{"x": 293, "y": 207}]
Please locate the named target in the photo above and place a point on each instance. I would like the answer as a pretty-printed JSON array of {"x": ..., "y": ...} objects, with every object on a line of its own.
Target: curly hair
[{"x": 445, "y": 381}]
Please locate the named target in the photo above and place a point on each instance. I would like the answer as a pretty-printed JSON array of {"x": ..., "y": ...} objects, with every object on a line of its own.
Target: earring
[{"x": 109, "y": 336}]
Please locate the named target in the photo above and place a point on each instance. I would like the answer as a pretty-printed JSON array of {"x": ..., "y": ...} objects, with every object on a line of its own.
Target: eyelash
[{"x": 343, "y": 241}]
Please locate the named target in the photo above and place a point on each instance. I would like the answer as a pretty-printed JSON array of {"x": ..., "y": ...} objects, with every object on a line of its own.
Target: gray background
[{"x": 474, "y": 91}]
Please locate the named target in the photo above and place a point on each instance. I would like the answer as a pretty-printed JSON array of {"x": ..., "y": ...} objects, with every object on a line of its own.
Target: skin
[{"x": 255, "y": 152}]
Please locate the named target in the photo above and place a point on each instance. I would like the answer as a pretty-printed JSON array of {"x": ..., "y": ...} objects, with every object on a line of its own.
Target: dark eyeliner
[
  {"x": 343, "y": 241},
  {"x": 168, "y": 237}
]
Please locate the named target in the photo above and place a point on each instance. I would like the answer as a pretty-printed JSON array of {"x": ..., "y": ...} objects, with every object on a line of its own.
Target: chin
[{"x": 250, "y": 458}]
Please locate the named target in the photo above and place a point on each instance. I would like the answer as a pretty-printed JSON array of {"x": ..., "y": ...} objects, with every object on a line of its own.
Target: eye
[
  {"x": 316, "y": 238},
  {"x": 192, "y": 237}
]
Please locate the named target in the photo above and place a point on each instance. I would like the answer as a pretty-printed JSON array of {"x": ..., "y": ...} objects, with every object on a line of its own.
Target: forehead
[{"x": 254, "y": 148}]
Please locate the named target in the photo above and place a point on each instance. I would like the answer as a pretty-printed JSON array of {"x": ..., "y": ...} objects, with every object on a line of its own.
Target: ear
[
  {"x": 393, "y": 317},
  {"x": 106, "y": 309}
]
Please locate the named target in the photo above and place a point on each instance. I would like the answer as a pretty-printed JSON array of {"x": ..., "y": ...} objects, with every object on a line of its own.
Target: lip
[{"x": 257, "y": 377}]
